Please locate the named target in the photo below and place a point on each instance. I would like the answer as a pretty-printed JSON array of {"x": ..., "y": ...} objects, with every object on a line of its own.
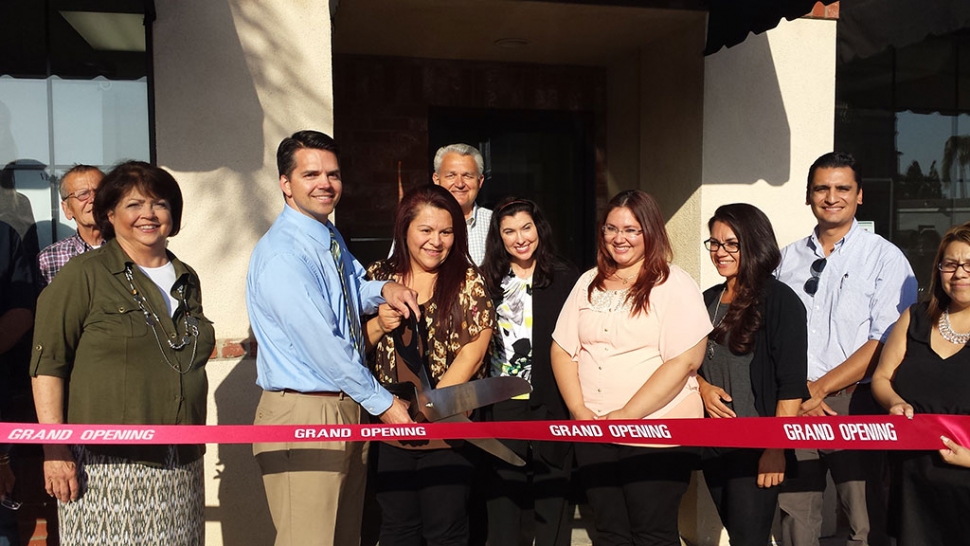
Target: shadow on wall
[
  {"x": 748, "y": 83},
  {"x": 242, "y": 511}
]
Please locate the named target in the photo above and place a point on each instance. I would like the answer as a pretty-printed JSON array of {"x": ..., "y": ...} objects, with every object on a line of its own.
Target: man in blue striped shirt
[{"x": 854, "y": 285}]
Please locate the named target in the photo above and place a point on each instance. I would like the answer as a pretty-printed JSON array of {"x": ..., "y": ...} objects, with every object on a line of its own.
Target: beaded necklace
[{"x": 151, "y": 318}]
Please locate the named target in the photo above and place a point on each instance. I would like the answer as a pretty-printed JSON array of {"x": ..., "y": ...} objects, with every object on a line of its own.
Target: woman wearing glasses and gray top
[
  {"x": 628, "y": 343},
  {"x": 755, "y": 366},
  {"x": 120, "y": 338}
]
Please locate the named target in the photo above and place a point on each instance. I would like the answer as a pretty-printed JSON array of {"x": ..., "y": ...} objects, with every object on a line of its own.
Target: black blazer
[
  {"x": 546, "y": 304},
  {"x": 779, "y": 367},
  {"x": 545, "y": 402}
]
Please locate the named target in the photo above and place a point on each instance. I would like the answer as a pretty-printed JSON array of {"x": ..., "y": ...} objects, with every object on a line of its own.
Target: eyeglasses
[
  {"x": 610, "y": 232},
  {"x": 811, "y": 285},
  {"x": 951, "y": 267},
  {"x": 82, "y": 195},
  {"x": 732, "y": 247}
]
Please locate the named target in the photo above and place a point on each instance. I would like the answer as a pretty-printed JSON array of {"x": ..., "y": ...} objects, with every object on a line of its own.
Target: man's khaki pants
[{"x": 315, "y": 490}]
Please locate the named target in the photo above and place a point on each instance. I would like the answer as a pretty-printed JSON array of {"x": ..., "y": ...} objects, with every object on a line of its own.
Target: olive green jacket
[{"x": 91, "y": 332}]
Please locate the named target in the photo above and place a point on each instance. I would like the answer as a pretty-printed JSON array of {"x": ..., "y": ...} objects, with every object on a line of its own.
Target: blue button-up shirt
[
  {"x": 865, "y": 285},
  {"x": 298, "y": 315}
]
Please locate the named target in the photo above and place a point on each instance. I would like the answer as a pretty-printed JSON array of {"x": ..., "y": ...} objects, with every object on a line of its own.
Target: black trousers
[
  {"x": 529, "y": 505},
  {"x": 746, "y": 510},
  {"x": 423, "y": 496},
  {"x": 635, "y": 492}
]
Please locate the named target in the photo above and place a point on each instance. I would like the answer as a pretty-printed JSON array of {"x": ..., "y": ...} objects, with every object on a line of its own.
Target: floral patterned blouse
[{"x": 473, "y": 313}]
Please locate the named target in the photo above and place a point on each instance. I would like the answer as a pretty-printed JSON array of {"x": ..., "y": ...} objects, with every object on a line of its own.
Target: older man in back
[
  {"x": 459, "y": 169},
  {"x": 77, "y": 189}
]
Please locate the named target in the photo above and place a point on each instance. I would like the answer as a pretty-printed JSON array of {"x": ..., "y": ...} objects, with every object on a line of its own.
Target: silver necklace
[
  {"x": 191, "y": 323},
  {"x": 946, "y": 331},
  {"x": 625, "y": 280},
  {"x": 710, "y": 342}
]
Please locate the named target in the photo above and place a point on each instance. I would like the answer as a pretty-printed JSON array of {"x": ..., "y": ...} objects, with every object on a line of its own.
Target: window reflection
[{"x": 905, "y": 114}]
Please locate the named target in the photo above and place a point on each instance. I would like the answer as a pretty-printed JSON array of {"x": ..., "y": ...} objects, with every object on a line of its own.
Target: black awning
[
  {"x": 869, "y": 27},
  {"x": 730, "y": 21}
]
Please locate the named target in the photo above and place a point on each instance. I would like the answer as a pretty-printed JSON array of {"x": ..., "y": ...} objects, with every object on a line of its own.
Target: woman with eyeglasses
[
  {"x": 628, "y": 343},
  {"x": 755, "y": 366},
  {"x": 925, "y": 368},
  {"x": 529, "y": 284}
]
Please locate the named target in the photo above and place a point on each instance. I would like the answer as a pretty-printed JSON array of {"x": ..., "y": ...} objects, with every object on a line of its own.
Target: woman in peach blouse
[{"x": 628, "y": 344}]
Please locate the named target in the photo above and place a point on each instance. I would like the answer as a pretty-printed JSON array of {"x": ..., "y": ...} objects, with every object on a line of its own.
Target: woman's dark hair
[
  {"x": 656, "y": 249},
  {"x": 497, "y": 261},
  {"x": 759, "y": 256},
  {"x": 149, "y": 180},
  {"x": 939, "y": 299},
  {"x": 451, "y": 273}
]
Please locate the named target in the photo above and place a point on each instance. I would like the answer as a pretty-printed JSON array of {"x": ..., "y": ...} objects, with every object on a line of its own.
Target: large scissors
[{"x": 449, "y": 404}]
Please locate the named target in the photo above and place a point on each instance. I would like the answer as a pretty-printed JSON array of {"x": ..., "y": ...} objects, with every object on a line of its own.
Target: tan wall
[
  {"x": 671, "y": 134},
  {"x": 231, "y": 80},
  {"x": 769, "y": 108}
]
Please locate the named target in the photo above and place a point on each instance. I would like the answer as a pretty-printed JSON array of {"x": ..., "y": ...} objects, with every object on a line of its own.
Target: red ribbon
[{"x": 841, "y": 432}]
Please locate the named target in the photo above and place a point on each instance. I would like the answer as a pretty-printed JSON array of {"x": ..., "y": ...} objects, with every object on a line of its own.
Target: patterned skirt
[{"x": 126, "y": 503}]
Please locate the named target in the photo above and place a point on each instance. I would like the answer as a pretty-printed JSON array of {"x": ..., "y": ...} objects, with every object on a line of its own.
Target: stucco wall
[
  {"x": 769, "y": 111},
  {"x": 232, "y": 78}
]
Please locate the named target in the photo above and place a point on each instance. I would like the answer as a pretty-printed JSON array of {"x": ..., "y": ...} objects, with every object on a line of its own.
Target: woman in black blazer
[{"x": 529, "y": 285}]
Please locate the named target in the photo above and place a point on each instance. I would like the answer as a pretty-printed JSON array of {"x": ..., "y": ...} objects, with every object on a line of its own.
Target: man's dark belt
[{"x": 319, "y": 393}]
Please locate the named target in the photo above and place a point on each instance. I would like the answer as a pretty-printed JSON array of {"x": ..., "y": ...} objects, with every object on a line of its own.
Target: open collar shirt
[
  {"x": 297, "y": 312},
  {"x": 478, "y": 224},
  {"x": 867, "y": 282}
]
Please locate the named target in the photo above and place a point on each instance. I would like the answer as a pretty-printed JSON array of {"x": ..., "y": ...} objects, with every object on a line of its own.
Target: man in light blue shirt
[
  {"x": 305, "y": 293},
  {"x": 854, "y": 284}
]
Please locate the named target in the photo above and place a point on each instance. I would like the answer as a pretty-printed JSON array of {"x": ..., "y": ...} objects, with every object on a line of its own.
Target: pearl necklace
[{"x": 946, "y": 331}]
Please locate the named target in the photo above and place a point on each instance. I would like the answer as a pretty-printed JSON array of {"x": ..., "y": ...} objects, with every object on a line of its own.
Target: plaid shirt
[
  {"x": 477, "y": 233},
  {"x": 52, "y": 259}
]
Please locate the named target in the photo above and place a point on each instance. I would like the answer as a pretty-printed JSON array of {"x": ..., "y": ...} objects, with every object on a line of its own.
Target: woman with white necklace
[
  {"x": 925, "y": 368},
  {"x": 120, "y": 338},
  {"x": 755, "y": 366},
  {"x": 627, "y": 345}
]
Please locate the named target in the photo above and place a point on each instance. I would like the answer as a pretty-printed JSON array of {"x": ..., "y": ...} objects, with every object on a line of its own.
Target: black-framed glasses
[
  {"x": 951, "y": 267},
  {"x": 82, "y": 195},
  {"x": 811, "y": 285},
  {"x": 732, "y": 247}
]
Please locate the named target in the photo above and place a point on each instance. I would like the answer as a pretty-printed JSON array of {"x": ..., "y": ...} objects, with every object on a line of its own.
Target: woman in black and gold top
[
  {"x": 423, "y": 489},
  {"x": 120, "y": 338}
]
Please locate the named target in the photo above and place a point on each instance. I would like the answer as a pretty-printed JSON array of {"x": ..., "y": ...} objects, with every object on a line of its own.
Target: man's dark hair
[
  {"x": 302, "y": 139},
  {"x": 833, "y": 160}
]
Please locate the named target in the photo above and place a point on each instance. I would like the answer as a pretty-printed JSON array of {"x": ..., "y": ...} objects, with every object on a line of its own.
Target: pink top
[{"x": 617, "y": 353}]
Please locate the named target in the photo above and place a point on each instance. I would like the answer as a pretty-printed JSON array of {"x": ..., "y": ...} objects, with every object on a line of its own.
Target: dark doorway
[{"x": 543, "y": 155}]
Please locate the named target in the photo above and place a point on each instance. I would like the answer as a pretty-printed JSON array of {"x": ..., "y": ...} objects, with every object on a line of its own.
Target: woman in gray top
[{"x": 755, "y": 366}]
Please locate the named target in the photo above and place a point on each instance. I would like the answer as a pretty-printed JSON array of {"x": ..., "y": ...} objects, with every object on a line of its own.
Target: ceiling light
[{"x": 511, "y": 43}]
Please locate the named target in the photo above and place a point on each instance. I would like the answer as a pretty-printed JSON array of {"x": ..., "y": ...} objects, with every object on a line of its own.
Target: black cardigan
[
  {"x": 546, "y": 304},
  {"x": 779, "y": 367}
]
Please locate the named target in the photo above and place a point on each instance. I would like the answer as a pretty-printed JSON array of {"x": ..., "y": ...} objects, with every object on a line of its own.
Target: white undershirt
[{"x": 164, "y": 279}]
